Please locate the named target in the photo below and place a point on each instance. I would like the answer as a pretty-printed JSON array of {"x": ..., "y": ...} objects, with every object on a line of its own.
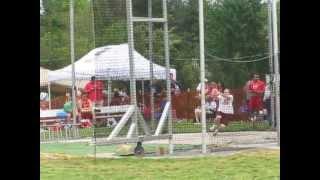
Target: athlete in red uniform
[{"x": 256, "y": 89}]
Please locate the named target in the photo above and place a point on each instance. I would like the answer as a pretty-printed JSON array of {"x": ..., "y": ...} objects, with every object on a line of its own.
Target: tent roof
[
  {"x": 43, "y": 76},
  {"x": 44, "y": 80},
  {"x": 109, "y": 62}
]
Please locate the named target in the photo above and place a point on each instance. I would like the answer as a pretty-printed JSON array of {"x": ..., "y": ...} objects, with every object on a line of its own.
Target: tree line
[{"x": 234, "y": 30}]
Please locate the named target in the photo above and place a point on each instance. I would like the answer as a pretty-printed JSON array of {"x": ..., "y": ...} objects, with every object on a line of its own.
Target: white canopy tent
[
  {"x": 67, "y": 83},
  {"x": 57, "y": 84},
  {"x": 109, "y": 63},
  {"x": 44, "y": 76}
]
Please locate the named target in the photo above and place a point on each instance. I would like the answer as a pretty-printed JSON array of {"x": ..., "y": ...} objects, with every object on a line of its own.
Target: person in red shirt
[
  {"x": 95, "y": 91},
  {"x": 256, "y": 88},
  {"x": 85, "y": 111}
]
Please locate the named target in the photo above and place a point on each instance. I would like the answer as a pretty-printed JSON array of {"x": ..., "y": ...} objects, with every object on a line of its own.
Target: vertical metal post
[
  {"x": 72, "y": 60},
  {"x": 270, "y": 38},
  {"x": 276, "y": 65},
  {"x": 150, "y": 34},
  {"x": 92, "y": 24},
  {"x": 168, "y": 83},
  {"x": 133, "y": 97},
  {"x": 94, "y": 45},
  {"x": 94, "y": 119},
  {"x": 202, "y": 74},
  {"x": 142, "y": 93},
  {"x": 109, "y": 92},
  {"x": 49, "y": 94}
]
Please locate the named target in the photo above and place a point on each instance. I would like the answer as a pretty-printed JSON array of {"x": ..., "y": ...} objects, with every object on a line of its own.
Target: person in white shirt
[
  {"x": 210, "y": 106},
  {"x": 225, "y": 111}
]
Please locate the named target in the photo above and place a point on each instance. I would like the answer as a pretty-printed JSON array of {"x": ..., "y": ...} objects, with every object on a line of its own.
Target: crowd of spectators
[{"x": 219, "y": 101}]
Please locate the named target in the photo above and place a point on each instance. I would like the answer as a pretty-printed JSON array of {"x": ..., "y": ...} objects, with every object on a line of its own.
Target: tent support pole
[
  {"x": 109, "y": 92},
  {"x": 142, "y": 93},
  {"x": 71, "y": 11},
  {"x": 49, "y": 94}
]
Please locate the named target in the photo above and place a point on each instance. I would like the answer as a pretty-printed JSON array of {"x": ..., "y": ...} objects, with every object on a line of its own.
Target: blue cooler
[{"x": 62, "y": 115}]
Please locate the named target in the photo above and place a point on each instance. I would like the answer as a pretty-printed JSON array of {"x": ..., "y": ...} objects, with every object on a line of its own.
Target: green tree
[
  {"x": 236, "y": 28},
  {"x": 55, "y": 32},
  {"x": 233, "y": 28}
]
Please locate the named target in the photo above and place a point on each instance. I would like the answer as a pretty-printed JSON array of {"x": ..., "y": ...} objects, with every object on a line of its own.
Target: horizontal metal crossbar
[
  {"x": 146, "y": 19},
  {"x": 110, "y": 116},
  {"x": 112, "y": 109},
  {"x": 131, "y": 140}
]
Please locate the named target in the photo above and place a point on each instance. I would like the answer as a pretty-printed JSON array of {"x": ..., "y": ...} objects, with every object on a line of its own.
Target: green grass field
[
  {"x": 84, "y": 149},
  {"x": 254, "y": 165}
]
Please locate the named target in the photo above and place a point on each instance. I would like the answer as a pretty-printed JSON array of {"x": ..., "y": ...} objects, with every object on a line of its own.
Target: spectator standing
[
  {"x": 256, "y": 89},
  {"x": 94, "y": 88}
]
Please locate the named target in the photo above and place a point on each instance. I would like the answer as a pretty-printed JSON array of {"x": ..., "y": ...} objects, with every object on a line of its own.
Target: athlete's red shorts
[{"x": 255, "y": 103}]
